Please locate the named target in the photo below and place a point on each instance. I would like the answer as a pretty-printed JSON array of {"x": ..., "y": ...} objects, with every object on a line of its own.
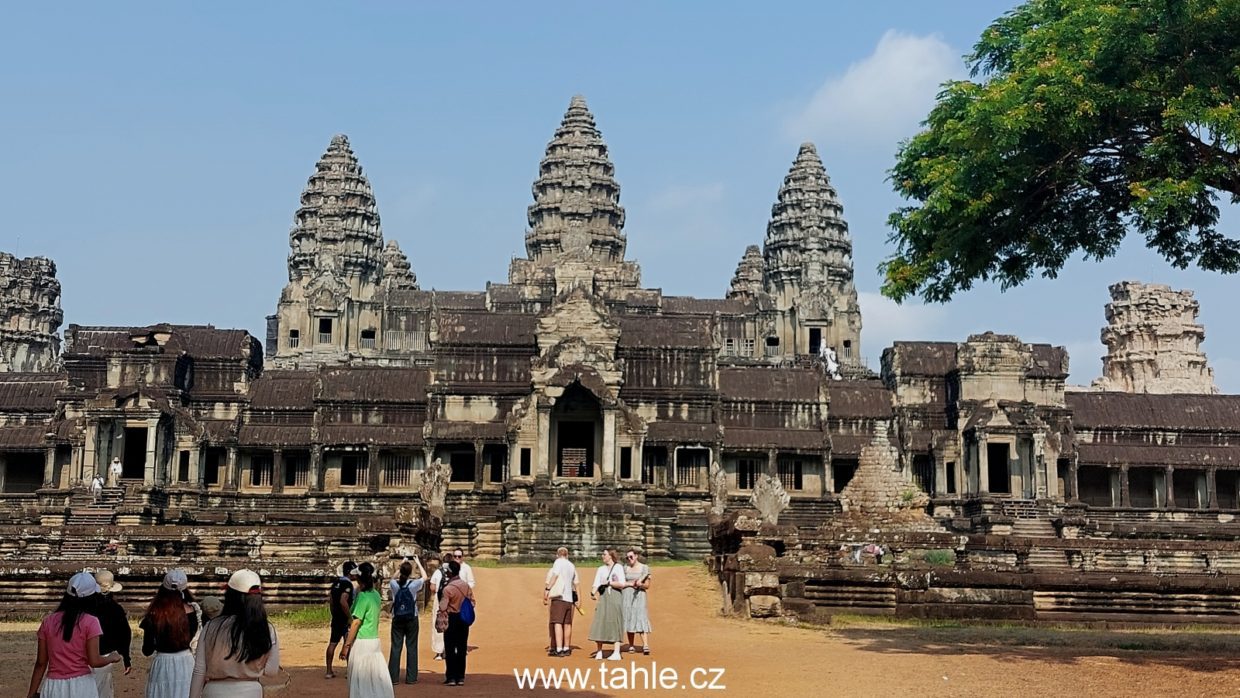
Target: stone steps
[
  {"x": 1033, "y": 528},
  {"x": 94, "y": 516},
  {"x": 855, "y": 598}
]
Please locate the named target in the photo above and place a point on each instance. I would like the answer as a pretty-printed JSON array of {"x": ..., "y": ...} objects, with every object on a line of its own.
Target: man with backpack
[{"x": 405, "y": 590}]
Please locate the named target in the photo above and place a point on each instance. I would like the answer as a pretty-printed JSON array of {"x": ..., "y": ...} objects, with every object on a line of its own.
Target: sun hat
[
  {"x": 246, "y": 582},
  {"x": 176, "y": 580},
  {"x": 211, "y": 607},
  {"x": 107, "y": 582},
  {"x": 82, "y": 584}
]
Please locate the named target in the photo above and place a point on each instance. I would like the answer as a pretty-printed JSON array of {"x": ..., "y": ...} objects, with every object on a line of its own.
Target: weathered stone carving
[
  {"x": 769, "y": 498},
  {"x": 1154, "y": 342},
  {"x": 718, "y": 489},
  {"x": 30, "y": 314},
  {"x": 434, "y": 488}
]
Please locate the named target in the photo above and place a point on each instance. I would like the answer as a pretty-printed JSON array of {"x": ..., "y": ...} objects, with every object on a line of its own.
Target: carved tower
[
  {"x": 809, "y": 268},
  {"x": 575, "y": 236},
  {"x": 30, "y": 314},
  {"x": 1154, "y": 342},
  {"x": 338, "y": 269}
]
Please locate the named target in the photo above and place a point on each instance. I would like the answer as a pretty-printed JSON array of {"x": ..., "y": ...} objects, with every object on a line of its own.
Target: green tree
[{"x": 1084, "y": 121}]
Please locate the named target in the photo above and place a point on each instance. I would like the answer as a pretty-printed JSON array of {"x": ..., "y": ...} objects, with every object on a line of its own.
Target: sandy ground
[{"x": 755, "y": 657}]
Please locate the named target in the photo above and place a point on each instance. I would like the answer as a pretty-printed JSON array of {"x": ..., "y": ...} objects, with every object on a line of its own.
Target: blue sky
[{"x": 156, "y": 151}]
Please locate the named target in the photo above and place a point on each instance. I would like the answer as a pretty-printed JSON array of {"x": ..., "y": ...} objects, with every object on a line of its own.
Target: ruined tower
[
  {"x": 1154, "y": 342},
  {"x": 331, "y": 309},
  {"x": 30, "y": 314},
  {"x": 809, "y": 270},
  {"x": 575, "y": 233},
  {"x": 747, "y": 281}
]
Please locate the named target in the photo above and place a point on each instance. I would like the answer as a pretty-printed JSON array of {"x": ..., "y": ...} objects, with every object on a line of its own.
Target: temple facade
[{"x": 572, "y": 405}]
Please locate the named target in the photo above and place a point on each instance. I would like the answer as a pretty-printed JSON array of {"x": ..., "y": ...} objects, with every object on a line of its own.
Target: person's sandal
[{"x": 646, "y": 650}]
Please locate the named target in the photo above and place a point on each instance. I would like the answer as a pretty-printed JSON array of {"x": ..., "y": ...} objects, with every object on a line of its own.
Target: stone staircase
[
  {"x": 84, "y": 510},
  {"x": 1033, "y": 528}
]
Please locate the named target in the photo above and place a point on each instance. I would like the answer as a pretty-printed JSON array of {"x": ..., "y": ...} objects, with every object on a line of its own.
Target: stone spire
[
  {"x": 1154, "y": 342},
  {"x": 808, "y": 254},
  {"x": 336, "y": 230},
  {"x": 807, "y": 240},
  {"x": 397, "y": 271},
  {"x": 30, "y": 313},
  {"x": 747, "y": 281},
  {"x": 576, "y": 212}
]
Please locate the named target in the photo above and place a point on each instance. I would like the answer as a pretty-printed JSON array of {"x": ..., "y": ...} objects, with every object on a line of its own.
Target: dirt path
[{"x": 755, "y": 657}]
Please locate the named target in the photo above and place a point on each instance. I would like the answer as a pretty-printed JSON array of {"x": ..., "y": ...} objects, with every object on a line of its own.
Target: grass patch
[
  {"x": 305, "y": 617},
  {"x": 940, "y": 558}
]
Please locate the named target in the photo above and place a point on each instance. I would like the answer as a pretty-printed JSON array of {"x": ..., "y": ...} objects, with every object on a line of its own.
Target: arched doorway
[{"x": 576, "y": 433}]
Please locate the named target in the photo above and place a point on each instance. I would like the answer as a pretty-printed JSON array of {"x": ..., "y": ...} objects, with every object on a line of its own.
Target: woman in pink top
[{"x": 69, "y": 645}]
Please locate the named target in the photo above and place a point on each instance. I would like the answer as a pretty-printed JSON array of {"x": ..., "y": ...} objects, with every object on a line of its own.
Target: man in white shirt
[
  {"x": 561, "y": 592},
  {"x": 467, "y": 572}
]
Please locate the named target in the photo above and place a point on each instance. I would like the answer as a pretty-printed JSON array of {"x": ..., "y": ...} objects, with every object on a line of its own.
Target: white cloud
[
  {"x": 884, "y": 321},
  {"x": 882, "y": 98},
  {"x": 680, "y": 198}
]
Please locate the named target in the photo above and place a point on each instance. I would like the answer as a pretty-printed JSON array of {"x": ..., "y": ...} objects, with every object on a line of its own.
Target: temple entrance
[
  {"x": 997, "y": 468},
  {"x": 133, "y": 463},
  {"x": 577, "y": 432}
]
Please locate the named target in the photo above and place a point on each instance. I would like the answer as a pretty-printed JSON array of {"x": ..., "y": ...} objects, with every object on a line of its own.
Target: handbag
[
  {"x": 441, "y": 622},
  {"x": 602, "y": 588}
]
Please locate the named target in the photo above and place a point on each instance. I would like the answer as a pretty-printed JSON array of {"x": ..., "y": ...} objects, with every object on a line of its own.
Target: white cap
[
  {"x": 176, "y": 580},
  {"x": 82, "y": 584},
  {"x": 246, "y": 582}
]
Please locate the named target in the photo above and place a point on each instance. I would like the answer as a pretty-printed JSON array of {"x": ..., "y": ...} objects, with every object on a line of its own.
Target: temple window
[
  {"x": 368, "y": 339},
  {"x": 747, "y": 470},
  {"x": 294, "y": 338},
  {"x": 847, "y": 353},
  {"x": 325, "y": 331},
  {"x": 791, "y": 473}
]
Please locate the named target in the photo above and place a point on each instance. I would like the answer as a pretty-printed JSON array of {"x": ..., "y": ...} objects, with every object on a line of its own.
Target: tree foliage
[{"x": 1084, "y": 121}]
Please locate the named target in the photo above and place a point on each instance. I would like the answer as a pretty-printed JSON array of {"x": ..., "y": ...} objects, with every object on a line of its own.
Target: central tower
[{"x": 575, "y": 236}]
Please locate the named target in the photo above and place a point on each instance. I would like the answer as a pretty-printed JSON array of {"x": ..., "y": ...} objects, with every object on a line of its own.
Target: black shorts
[{"x": 340, "y": 629}]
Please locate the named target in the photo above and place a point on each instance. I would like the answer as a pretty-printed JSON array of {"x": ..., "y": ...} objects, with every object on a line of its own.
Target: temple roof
[
  {"x": 766, "y": 384},
  {"x": 806, "y": 216},
  {"x": 1103, "y": 410}
]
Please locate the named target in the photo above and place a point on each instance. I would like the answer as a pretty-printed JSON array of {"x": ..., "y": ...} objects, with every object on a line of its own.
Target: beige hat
[
  {"x": 246, "y": 582},
  {"x": 107, "y": 582}
]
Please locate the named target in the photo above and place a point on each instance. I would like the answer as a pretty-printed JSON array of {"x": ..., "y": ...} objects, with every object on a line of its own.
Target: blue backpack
[
  {"x": 402, "y": 605},
  {"x": 467, "y": 611}
]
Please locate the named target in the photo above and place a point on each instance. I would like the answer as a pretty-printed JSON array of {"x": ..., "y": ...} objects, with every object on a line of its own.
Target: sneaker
[
  {"x": 438, "y": 657},
  {"x": 615, "y": 656},
  {"x": 597, "y": 655}
]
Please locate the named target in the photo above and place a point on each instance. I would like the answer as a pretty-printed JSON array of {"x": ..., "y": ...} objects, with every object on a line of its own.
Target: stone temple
[{"x": 574, "y": 405}]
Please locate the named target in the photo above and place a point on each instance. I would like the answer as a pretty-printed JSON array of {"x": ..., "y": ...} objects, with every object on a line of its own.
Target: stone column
[
  {"x": 197, "y": 471},
  {"x": 983, "y": 467},
  {"x": 49, "y": 468},
  {"x": 1074, "y": 490},
  {"x": 277, "y": 471},
  {"x": 609, "y": 446},
  {"x": 772, "y": 463},
  {"x": 542, "y": 467},
  {"x": 316, "y": 469},
  {"x": 90, "y": 451},
  {"x": 232, "y": 471},
  {"x": 372, "y": 469},
  {"x": 1125, "y": 498},
  {"x": 1212, "y": 488},
  {"x": 1170, "y": 487},
  {"x": 940, "y": 476},
  {"x": 479, "y": 475},
  {"x": 150, "y": 473}
]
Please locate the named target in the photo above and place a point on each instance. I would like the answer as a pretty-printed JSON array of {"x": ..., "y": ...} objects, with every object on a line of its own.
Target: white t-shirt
[
  {"x": 565, "y": 574},
  {"x": 601, "y": 575},
  {"x": 467, "y": 573}
]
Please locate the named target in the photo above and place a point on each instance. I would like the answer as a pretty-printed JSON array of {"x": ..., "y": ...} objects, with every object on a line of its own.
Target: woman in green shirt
[{"x": 368, "y": 669}]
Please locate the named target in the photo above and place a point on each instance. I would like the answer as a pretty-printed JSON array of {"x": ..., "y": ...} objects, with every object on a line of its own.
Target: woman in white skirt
[
  {"x": 368, "y": 665},
  {"x": 170, "y": 623},
  {"x": 239, "y": 646},
  {"x": 69, "y": 646}
]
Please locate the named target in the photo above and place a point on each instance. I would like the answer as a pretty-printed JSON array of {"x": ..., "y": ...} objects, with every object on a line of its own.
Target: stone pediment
[
  {"x": 325, "y": 292},
  {"x": 580, "y": 316}
]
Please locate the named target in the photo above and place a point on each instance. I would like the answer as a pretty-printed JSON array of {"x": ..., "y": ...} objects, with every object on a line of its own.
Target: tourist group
[{"x": 209, "y": 649}]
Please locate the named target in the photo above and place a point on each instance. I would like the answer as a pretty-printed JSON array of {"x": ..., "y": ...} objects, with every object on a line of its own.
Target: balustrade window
[
  {"x": 791, "y": 473},
  {"x": 294, "y": 338},
  {"x": 397, "y": 469},
  {"x": 368, "y": 339},
  {"x": 747, "y": 470}
]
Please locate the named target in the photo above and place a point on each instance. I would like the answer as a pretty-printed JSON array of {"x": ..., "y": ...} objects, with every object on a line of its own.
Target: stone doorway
[
  {"x": 997, "y": 468},
  {"x": 133, "y": 462},
  {"x": 23, "y": 472},
  {"x": 577, "y": 433}
]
